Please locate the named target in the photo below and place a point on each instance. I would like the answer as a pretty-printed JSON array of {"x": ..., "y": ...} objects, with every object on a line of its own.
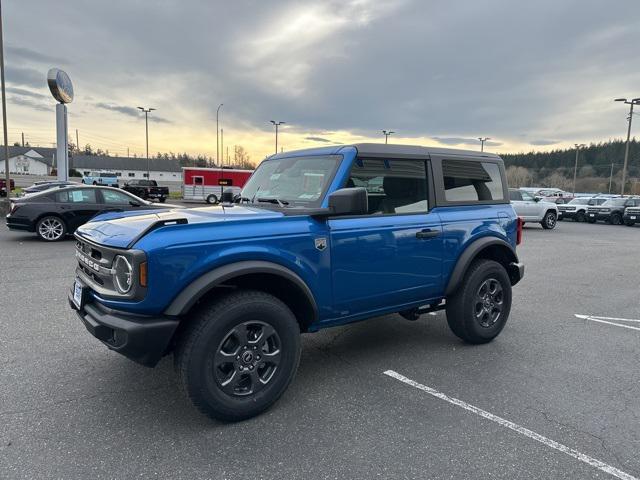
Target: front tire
[
  {"x": 616, "y": 219},
  {"x": 51, "y": 228},
  {"x": 479, "y": 310},
  {"x": 238, "y": 355},
  {"x": 549, "y": 220},
  {"x": 212, "y": 199},
  {"x": 581, "y": 217}
]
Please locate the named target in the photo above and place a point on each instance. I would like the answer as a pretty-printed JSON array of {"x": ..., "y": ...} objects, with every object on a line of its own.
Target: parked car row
[{"x": 54, "y": 213}]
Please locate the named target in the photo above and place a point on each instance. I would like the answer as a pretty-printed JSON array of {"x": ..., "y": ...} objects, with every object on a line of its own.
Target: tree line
[{"x": 599, "y": 168}]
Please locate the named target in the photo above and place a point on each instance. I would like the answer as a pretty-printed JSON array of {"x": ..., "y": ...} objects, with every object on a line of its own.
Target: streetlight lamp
[
  {"x": 482, "y": 140},
  {"x": 146, "y": 128},
  {"x": 386, "y": 134},
  {"x": 218, "y": 134},
  {"x": 631, "y": 103},
  {"x": 575, "y": 167},
  {"x": 276, "y": 124}
]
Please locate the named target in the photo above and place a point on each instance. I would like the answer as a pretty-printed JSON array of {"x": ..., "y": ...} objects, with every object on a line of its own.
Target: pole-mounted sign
[{"x": 62, "y": 90}]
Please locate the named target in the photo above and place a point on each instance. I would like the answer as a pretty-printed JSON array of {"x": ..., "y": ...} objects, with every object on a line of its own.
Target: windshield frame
[{"x": 287, "y": 202}]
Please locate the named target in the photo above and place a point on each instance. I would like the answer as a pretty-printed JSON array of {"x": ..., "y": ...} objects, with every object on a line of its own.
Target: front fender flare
[{"x": 200, "y": 286}]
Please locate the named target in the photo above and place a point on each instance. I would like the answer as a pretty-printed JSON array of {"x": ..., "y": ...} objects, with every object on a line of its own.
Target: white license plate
[
  {"x": 77, "y": 294},
  {"x": 592, "y": 214},
  {"x": 632, "y": 217}
]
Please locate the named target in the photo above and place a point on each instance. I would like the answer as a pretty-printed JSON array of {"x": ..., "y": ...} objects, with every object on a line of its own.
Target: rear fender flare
[{"x": 471, "y": 253}]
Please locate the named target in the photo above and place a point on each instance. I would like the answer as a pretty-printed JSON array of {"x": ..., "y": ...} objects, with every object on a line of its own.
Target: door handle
[{"x": 427, "y": 233}]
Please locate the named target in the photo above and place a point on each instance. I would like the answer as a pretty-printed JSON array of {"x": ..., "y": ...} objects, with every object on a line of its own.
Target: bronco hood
[{"x": 123, "y": 229}]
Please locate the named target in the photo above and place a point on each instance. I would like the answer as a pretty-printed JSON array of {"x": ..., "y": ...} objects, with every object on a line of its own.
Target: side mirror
[
  {"x": 134, "y": 204},
  {"x": 349, "y": 201},
  {"x": 537, "y": 199},
  {"x": 228, "y": 196}
]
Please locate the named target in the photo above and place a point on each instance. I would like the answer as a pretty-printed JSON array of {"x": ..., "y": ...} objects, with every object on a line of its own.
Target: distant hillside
[{"x": 555, "y": 168}]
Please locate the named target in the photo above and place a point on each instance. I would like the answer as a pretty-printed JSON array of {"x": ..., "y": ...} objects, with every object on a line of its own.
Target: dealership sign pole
[
  {"x": 62, "y": 90},
  {"x": 4, "y": 112}
]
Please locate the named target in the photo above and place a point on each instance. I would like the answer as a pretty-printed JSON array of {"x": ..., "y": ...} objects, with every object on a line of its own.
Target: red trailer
[{"x": 206, "y": 184}]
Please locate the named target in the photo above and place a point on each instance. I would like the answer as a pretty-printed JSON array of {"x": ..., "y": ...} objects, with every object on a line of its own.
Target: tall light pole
[
  {"x": 146, "y": 128},
  {"x": 4, "y": 112},
  {"x": 276, "y": 124},
  {"x": 482, "y": 140},
  {"x": 631, "y": 103},
  {"x": 218, "y": 133},
  {"x": 575, "y": 167},
  {"x": 386, "y": 134}
]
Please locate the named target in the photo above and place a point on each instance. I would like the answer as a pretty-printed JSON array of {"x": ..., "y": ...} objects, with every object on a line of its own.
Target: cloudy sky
[{"x": 530, "y": 75}]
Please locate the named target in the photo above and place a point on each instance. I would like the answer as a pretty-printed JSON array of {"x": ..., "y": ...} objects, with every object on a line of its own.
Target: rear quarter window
[{"x": 472, "y": 181}]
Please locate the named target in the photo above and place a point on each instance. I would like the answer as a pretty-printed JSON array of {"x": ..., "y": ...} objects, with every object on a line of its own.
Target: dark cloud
[
  {"x": 318, "y": 139},
  {"x": 543, "y": 142},
  {"x": 130, "y": 111},
  {"x": 15, "y": 53},
  {"x": 30, "y": 103},
  {"x": 25, "y": 76},
  {"x": 453, "y": 71},
  {"x": 26, "y": 93}
]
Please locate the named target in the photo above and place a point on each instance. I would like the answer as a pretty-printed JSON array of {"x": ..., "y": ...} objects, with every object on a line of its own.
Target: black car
[
  {"x": 42, "y": 186},
  {"x": 576, "y": 209},
  {"x": 53, "y": 214},
  {"x": 612, "y": 211}
]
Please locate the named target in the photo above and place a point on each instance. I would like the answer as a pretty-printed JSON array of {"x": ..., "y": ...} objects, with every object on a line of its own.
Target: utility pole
[
  {"x": 228, "y": 162},
  {"x": 146, "y": 128},
  {"x": 482, "y": 140},
  {"x": 575, "y": 167},
  {"x": 631, "y": 103},
  {"x": 610, "y": 178},
  {"x": 386, "y": 134},
  {"x": 276, "y": 124},
  {"x": 127, "y": 152},
  {"x": 23, "y": 139},
  {"x": 218, "y": 133},
  {"x": 4, "y": 111},
  {"x": 77, "y": 141},
  {"x": 222, "y": 144}
]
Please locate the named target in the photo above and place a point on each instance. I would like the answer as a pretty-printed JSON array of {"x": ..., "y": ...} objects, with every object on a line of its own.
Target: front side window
[
  {"x": 85, "y": 195},
  {"x": 471, "y": 181},
  {"x": 393, "y": 185},
  {"x": 293, "y": 181},
  {"x": 112, "y": 197}
]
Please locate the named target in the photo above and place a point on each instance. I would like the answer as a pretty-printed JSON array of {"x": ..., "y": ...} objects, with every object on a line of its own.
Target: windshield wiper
[{"x": 281, "y": 203}]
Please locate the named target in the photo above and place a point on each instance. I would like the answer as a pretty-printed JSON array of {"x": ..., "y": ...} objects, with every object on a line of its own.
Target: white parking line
[
  {"x": 515, "y": 427},
  {"x": 606, "y": 320}
]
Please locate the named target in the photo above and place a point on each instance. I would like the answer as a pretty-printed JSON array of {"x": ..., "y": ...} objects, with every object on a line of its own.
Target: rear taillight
[{"x": 519, "y": 231}]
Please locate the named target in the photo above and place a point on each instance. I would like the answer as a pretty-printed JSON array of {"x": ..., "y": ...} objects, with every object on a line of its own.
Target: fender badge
[{"x": 321, "y": 243}]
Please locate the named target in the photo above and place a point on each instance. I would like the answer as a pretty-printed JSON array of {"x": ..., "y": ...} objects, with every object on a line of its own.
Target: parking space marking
[
  {"x": 515, "y": 427},
  {"x": 608, "y": 322}
]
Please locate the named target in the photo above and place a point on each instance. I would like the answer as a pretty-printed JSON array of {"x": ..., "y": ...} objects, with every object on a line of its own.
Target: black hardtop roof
[{"x": 379, "y": 149}]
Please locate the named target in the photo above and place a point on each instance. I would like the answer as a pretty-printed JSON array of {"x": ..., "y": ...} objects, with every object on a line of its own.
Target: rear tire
[
  {"x": 479, "y": 310},
  {"x": 212, "y": 199},
  {"x": 51, "y": 228},
  {"x": 581, "y": 217},
  {"x": 549, "y": 220},
  {"x": 616, "y": 219},
  {"x": 238, "y": 355}
]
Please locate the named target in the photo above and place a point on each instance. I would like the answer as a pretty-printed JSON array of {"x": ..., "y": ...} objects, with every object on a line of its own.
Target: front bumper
[
  {"x": 143, "y": 339},
  {"x": 599, "y": 217},
  {"x": 572, "y": 214},
  {"x": 630, "y": 219}
]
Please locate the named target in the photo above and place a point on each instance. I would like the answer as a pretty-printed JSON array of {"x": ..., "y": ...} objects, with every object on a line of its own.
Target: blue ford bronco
[{"x": 317, "y": 238}]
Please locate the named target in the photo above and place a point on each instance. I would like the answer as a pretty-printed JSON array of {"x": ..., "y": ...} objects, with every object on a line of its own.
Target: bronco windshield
[{"x": 294, "y": 181}]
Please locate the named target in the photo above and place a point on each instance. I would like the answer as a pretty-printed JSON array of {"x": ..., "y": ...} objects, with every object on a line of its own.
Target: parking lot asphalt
[{"x": 69, "y": 408}]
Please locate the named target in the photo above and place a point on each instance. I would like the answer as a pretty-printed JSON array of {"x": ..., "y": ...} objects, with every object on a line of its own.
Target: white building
[{"x": 41, "y": 161}]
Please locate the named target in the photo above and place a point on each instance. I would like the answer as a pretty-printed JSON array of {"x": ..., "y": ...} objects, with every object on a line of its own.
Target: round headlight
[{"x": 122, "y": 274}]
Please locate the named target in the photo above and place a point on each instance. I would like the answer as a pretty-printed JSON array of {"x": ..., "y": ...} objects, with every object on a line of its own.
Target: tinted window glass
[
  {"x": 86, "y": 195},
  {"x": 515, "y": 195},
  {"x": 471, "y": 181},
  {"x": 112, "y": 197},
  {"x": 393, "y": 186}
]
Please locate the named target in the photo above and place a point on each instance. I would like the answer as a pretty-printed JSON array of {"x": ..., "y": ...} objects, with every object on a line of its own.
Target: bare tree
[{"x": 519, "y": 176}]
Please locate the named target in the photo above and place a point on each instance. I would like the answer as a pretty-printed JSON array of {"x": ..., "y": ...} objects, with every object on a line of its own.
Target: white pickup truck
[{"x": 532, "y": 209}]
